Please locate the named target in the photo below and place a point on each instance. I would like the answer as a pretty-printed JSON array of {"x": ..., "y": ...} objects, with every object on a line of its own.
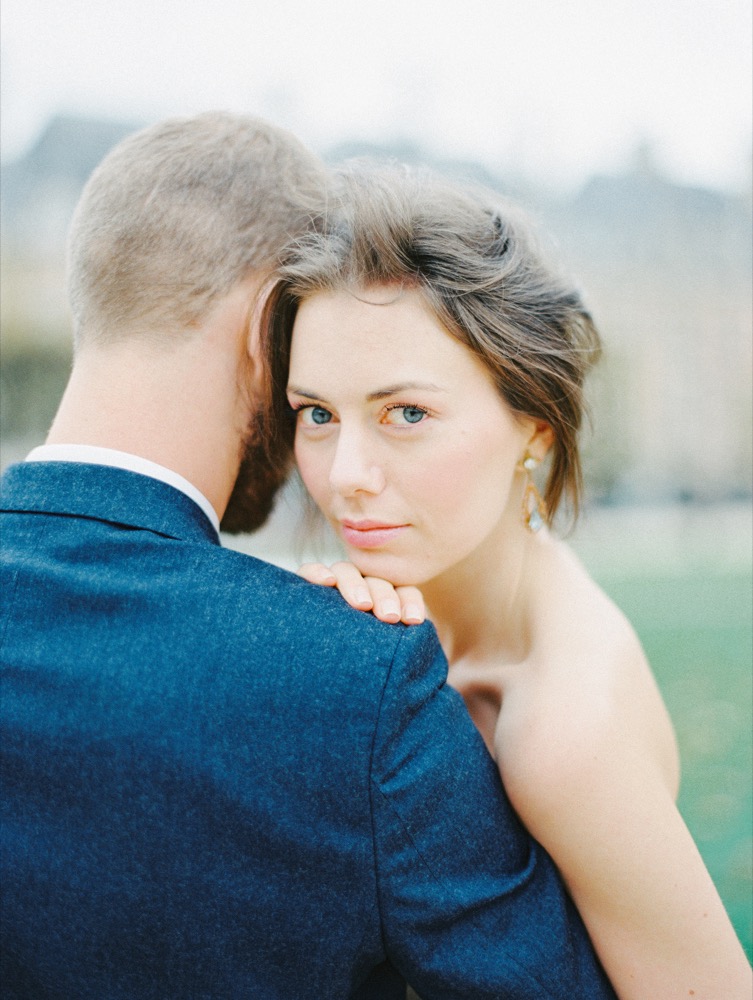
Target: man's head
[
  {"x": 174, "y": 235},
  {"x": 176, "y": 216}
]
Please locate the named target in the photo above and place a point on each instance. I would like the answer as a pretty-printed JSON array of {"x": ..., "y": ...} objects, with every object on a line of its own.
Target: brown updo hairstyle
[{"x": 474, "y": 260}]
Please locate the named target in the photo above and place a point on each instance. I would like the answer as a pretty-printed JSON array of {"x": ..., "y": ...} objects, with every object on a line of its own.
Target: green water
[{"x": 696, "y": 630}]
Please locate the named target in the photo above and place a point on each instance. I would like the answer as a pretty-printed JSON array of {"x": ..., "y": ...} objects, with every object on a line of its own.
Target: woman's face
[{"x": 401, "y": 439}]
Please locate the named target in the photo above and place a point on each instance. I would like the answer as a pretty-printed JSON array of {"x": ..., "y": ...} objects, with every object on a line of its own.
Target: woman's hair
[
  {"x": 474, "y": 260},
  {"x": 177, "y": 214}
]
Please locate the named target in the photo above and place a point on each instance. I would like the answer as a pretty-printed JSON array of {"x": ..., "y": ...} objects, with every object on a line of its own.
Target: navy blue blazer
[{"x": 219, "y": 781}]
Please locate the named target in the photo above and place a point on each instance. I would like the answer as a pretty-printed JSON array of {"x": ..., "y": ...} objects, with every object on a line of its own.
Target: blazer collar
[{"x": 104, "y": 493}]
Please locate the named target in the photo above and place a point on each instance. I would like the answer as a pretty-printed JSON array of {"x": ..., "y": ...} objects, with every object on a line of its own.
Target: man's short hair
[{"x": 177, "y": 215}]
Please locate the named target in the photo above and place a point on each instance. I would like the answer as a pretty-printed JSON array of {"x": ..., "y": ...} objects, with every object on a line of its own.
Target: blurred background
[{"x": 623, "y": 126}]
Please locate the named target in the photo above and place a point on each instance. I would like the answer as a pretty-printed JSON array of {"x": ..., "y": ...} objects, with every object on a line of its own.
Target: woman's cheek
[{"x": 311, "y": 468}]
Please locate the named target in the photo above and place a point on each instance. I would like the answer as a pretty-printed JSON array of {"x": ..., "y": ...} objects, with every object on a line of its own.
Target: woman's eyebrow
[
  {"x": 395, "y": 390},
  {"x": 295, "y": 391},
  {"x": 389, "y": 390}
]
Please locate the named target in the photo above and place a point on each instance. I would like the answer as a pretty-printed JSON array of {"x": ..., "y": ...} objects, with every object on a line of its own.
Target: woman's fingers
[
  {"x": 353, "y": 587},
  {"x": 396, "y": 604},
  {"x": 318, "y": 573},
  {"x": 385, "y": 600},
  {"x": 412, "y": 606},
  {"x": 388, "y": 603},
  {"x": 345, "y": 577},
  {"x": 371, "y": 593}
]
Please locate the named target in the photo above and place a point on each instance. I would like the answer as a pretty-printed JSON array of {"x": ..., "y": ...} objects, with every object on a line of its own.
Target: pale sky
[{"x": 549, "y": 88}]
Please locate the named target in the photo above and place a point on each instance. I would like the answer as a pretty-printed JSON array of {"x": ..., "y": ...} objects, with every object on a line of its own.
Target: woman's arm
[{"x": 591, "y": 792}]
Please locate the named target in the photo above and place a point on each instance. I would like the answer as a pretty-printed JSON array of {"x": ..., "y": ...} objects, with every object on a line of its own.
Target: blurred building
[{"x": 665, "y": 269}]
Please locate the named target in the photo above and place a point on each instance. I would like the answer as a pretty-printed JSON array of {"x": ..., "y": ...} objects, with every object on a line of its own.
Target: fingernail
[
  {"x": 363, "y": 597},
  {"x": 390, "y": 610},
  {"x": 413, "y": 614}
]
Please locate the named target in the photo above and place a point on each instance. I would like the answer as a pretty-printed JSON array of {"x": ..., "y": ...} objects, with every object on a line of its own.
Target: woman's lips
[{"x": 370, "y": 534}]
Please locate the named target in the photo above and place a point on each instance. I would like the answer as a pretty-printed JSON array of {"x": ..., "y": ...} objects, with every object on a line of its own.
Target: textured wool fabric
[{"x": 219, "y": 781}]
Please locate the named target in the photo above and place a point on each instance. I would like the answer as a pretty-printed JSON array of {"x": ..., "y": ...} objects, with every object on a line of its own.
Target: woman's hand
[{"x": 369, "y": 593}]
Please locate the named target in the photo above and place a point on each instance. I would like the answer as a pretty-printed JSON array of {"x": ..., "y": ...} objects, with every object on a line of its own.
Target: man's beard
[{"x": 259, "y": 479}]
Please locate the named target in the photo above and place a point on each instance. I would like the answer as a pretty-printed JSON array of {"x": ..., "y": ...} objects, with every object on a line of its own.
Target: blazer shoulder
[{"x": 265, "y": 606}]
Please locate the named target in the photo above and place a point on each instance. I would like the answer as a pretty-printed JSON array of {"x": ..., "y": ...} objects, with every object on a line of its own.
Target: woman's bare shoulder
[
  {"x": 586, "y": 701},
  {"x": 587, "y": 753}
]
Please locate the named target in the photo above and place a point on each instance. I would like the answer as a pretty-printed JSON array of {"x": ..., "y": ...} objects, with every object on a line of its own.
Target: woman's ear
[{"x": 540, "y": 441}]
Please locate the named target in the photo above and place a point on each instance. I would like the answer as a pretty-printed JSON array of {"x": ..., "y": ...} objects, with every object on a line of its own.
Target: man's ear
[
  {"x": 250, "y": 345},
  {"x": 253, "y": 334}
]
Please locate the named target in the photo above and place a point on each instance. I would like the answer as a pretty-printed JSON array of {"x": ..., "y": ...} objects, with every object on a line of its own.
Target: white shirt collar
[{"x": 91, "y": 455}]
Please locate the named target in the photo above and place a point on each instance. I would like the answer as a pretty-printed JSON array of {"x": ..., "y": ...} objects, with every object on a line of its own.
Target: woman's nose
[{"x": 355, "y": 467}]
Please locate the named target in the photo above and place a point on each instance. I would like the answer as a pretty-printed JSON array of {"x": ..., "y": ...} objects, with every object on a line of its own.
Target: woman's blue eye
[
  {"x": 413, "y": 414},
  {"x": 313, "y": 415},
  {"x": 319, "y": 415},
  {"x": 400, "y": 415}
]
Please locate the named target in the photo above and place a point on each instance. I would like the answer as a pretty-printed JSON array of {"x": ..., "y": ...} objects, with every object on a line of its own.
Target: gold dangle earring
[{"x": 533, "y": 507}]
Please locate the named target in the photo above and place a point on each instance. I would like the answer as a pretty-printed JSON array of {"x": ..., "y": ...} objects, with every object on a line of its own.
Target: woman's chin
[{"x": 398, "y": 572}]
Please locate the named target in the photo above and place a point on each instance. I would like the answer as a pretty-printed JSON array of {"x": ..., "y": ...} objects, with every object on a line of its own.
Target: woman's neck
[{"x": 483, "y": 607}]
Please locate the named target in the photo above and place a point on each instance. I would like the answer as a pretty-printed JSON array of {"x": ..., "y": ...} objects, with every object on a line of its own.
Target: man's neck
[
  {"x": 168, "y": 410},
  {"x": 181, "y": 399}
]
